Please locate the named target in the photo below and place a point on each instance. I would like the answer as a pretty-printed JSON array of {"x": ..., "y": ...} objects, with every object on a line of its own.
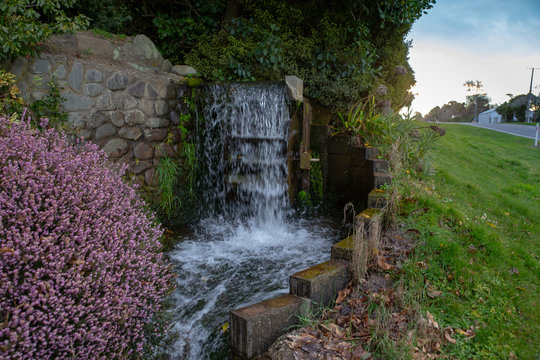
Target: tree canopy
[{"x": 342, "y": 49}]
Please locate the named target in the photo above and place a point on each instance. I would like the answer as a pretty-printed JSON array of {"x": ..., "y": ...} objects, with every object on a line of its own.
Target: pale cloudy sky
[{"x": 493, "y": 41}]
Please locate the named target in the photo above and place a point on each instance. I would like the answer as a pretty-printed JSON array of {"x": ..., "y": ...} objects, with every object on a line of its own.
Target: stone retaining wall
[{"x": 118, "y": 94}]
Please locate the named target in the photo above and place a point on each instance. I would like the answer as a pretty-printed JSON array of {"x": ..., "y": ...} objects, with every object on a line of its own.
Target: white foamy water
[{"x": 225, "y": 266}]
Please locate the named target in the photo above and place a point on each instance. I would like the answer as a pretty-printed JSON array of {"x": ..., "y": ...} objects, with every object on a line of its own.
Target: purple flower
[{"x": 81, "y": 270}]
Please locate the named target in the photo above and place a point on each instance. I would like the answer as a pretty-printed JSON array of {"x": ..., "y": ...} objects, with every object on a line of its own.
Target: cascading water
[{"x": 249, "y": 242}]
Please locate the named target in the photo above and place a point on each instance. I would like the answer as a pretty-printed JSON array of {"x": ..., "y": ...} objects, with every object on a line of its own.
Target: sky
[{"x": 494, "y": 41}]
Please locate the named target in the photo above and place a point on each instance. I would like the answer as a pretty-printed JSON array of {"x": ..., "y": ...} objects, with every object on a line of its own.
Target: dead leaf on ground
[
  {"x": 342, "y": 294},
  {"x": 448, "y": 335},
  {"x": 382, "y": 264},
  {"x": 431, "y": 321}
]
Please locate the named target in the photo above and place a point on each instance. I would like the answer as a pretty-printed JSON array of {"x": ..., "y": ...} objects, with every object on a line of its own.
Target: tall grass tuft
[{"x": 168, "y": 171}]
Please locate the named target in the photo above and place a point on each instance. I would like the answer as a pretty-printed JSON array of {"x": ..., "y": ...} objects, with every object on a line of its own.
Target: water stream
[{"x": 250, "y": 241}]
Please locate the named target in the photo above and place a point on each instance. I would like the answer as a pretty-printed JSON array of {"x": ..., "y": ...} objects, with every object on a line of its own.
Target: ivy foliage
[{"x": 26, "y": 23}]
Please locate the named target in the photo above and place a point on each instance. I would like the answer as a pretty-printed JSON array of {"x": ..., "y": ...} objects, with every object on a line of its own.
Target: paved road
[{"x": 518, "y": 130}]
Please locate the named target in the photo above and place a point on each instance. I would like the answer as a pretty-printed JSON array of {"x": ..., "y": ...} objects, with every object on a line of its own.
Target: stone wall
[{"x": 119, "y": 94}]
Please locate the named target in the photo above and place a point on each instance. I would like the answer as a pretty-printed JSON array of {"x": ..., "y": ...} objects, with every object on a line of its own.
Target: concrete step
[
  {"x": 370, "y": 219},
  {"x": 378, "y": 198},
  {"x": 321, "y": 283},
  {"x": 380, "y": 165},
  {"x": 343, "y": 249},
  {"x": 381, "y": 179},
  {"x": 371, "y": 152},
  {"x": 255, "y": 327}
]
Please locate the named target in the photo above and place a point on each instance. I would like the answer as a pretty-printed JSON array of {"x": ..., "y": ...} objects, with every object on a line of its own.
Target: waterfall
[
  {"x": 249, "y": 241},
  {"x": 244, "y": 146}
]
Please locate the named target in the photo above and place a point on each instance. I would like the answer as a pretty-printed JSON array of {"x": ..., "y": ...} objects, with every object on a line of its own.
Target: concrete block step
[
  {"x": 380, "y": 165},
  {"x": 343, "y": 249},
  {"x": 370, "y": 219},
  {"x": 321, "y": 283},
  {"x": 371, "y": 152},
  {"x": 255, "y": 327},
  {"x": 378, "y": 198},
  {"x": 381, "y": 179}
]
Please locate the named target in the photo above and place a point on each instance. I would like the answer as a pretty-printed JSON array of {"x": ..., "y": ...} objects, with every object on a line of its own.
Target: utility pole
[{"x": 529, "y": 97}]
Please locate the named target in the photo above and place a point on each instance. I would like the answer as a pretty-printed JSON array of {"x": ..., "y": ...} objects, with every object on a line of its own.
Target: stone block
[
  {"x": 66, "y": 43},
  {"x": 157, "y": 122},
  {"x": 161, "y": 107},
  {"x": 92, "y": 45},
  {"x": 321, "y": 283},
  {"x": 150, "y": 92},
  {"x": 125, "y": 101},
  {"x": 255, "y": 327},
  {"x": 371, "y": 152},
  {"x": 19, "y": 67},
  {"x": 117, "y": 81},
  {"x": 60, "y": 72},
  {"x": 163, "y": 150},
  {"x": 134, "y": 117},
  {"x": 175, "y": 118},
  {"x": 77, "y": 119},
  {"x": 150, "y": 177},
  {"x": 106, "y": 101},
  {"x": 148, "y": 48},
  {"x": 378, "y": 199},
  {"x": 37, "y": 95},
  {"x": 130, "y": 132},
  {"x": 94, "y": 76},
  {"x": 137, "y": 90},
  {"x": 75, "y": 77},
  {"x": 167, "y": 89},
  {"x": 295, "y": 88},
  {"x": 138, "y": 167},
  {"x": 86, "y": 134},
  {"x": 147, "y": 106},
  {"x": 97, "y": 119},
  {"x": 41, "y": 66},
  {"x": 143, "y": 151},
  {"x": 381, "y": 179},
  {"x": 166, "y": 66},
  {"x": 380, "y": 165},
  {"x": 343, "y": 249},
  {"x": 117, "y": 118},
  {"x": 183, "y": 70},
  {"x": 93, "y": 89},
  {"x": 115, "y": 148},
  {"x": 105, "y": 131},
  {"x": 74, "y": 102},
  {"x": 154, "y": 134}
]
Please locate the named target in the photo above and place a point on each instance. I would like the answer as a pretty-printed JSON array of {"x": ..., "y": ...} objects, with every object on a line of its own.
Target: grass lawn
[{"x": 476, "y": 267}]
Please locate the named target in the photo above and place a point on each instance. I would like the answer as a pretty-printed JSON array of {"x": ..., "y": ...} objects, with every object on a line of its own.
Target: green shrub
[{"x": 24, "y": 24}]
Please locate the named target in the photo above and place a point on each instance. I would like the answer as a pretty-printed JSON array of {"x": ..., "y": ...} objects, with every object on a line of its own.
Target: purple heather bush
[{"x": 80, "y": 265}]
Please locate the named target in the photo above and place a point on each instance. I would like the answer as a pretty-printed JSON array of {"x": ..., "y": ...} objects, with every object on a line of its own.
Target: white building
[{"x": 490, "y": 116}]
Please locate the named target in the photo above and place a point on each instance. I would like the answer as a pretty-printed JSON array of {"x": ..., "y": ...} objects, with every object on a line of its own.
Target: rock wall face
[{"x": 118, "y": 94}]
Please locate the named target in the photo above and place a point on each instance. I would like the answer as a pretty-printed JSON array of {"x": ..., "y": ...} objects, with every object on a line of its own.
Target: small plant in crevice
[
  {"x": 168, "y": 171},
  {"x": 50, "y": 106}
]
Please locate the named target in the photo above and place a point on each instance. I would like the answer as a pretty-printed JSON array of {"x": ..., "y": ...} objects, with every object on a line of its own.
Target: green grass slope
[{"x": 476, "y": 267}]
